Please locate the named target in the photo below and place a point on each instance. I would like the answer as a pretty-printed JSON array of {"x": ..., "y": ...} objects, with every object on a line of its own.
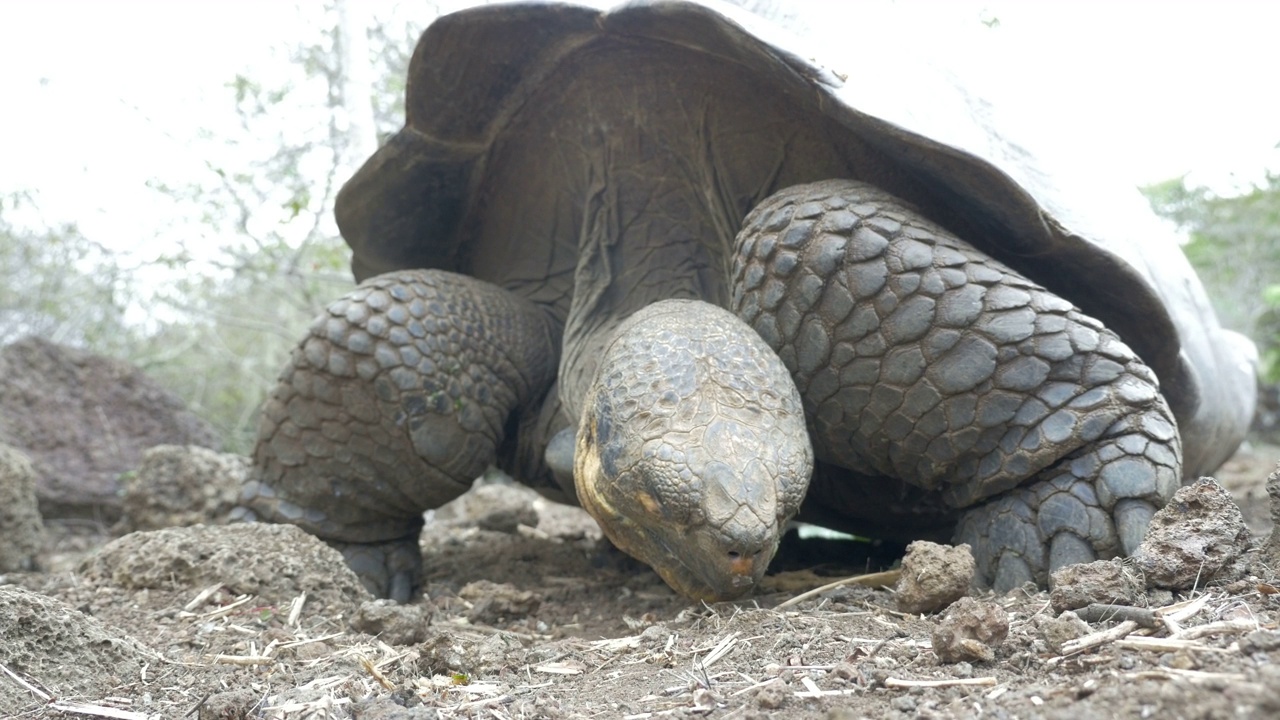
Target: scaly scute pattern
[
  {"x": 399, "y": 397},
  {"x": 693, "y": 452},
  {"x": 922, "y": 359}
]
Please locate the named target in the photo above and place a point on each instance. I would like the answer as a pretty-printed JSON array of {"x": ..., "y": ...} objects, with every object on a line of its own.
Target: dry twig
[
  {"x": 97, "y": 711},
  {"x": 1093, "y": 640},
  {"x": 201, "y": 596},
  {"x": 880, "y": 579},
  {"x": 1100, "y": 612},
  {"x": 26, "y": 685},
  {"x": 953, "y": 682},
  {"x": 1222, "y": 627},
  {"x": 1164, "y": 645}
]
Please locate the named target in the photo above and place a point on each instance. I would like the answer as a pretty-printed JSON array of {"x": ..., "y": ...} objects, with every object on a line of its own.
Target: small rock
[
  {"x": 445, "y": 652},
  {"x": 62, "y": 648},
  {"x": 656, "y": 633},
  {"x": 904, "y": 703},
  {"x": 275, "y": 562},
  {"x": 1063, "y": 629},
  {"x": 933, "y": 576},
  {"x": 1260, "y": 641},
  {"x": 493, "y": 603},
  {"x": 393, "y": 623},
  {"x": 508, "y": 520},
  {"x": 845, "y": 671},
  {"x": 1270, "y": 556},
  {"x": 1200, "y": 536},
  {"x": 704, "y": 701},
  {"x": 1181, "y": 660},
  {"x": 181, "y": 485},
  {"x": 493, "y": 505},
  {"x": 21, "y": 528},
  {"x": 772, "y": 695},
  {"x": 237, "y": 703},
  {"x": 1102, "y": 581},
  {"x": 970, "y": 631}
]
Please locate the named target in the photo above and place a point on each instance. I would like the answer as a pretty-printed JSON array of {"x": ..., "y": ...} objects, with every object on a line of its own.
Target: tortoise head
[{"x": 692, "y": 451}]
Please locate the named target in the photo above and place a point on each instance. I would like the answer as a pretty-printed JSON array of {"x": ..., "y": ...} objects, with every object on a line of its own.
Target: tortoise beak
[{"x": 715, "y": 565}]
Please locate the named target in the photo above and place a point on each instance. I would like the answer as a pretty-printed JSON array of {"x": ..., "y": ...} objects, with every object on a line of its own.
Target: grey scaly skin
[
  {"x": 925, "y": 362},
  {"x": 398, "y": 398},
  {"x": 586, "y": 180},
  {"x": 922, "y": 364},
  {"x": 692, "y": 451}
]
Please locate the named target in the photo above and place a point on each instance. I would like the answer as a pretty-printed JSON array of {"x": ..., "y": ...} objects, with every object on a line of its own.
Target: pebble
[
  {"x": 970, "y": 632},
  {"x": 933, "y": 576},
  {"x": 1199, "y": 537}
]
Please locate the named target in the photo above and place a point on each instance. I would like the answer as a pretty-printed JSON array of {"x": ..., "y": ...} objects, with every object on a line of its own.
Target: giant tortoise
[{"x": 657, "y": 262}]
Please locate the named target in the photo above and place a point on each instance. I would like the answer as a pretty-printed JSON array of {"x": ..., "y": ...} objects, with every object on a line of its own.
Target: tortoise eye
[{"x": 649, "y": 503}]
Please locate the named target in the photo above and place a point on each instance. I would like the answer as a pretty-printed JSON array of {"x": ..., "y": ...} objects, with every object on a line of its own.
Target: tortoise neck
[{"x": 630, "y": 257}]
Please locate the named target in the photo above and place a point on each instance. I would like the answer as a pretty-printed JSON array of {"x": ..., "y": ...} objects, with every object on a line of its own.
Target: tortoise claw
[
  {"x": 390, "y": 569},
  {"x": 401, "y": 588},
  {"x": 1132, "y": 517},
  {"x": 1067, "y": 548},
  {"x": 1011, "y": 572}
]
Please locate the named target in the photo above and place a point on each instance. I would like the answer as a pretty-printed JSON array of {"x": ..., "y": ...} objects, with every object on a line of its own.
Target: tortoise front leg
[
  {"x": 398, "y": 398},
  {"x": 923, "y": 361}
]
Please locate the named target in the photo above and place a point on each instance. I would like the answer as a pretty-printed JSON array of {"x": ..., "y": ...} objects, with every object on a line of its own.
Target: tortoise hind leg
[
  {"x": 923, "y": 361},
  {"x": 1094, "y": 504},
  {"x": 398, "y": 398}
]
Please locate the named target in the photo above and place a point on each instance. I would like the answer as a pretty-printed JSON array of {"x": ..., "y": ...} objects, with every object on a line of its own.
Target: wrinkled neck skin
[
  {"x": 671, "y": 468},
  {"x": 678, "y": 455},
  {"x": 691, "y": 450},
  {"x": 638, "y": 182},
  {"x": 636, "y": 165}
]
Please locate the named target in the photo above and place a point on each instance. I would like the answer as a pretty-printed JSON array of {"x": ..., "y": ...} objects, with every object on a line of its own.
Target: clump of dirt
[
  {"x": 274, "y": 562},
  {"x": 21, "y": 527},
  {"x": 1058, "y": 631},
  {"x": 1270, "y": 553},
  {"x": 1200, "y": 536},
  {"x": 180, "y": 485},
  {"x": 573, "y": 629},
  {"x": 971, "y": 631},
  {"x": 69, "y": 653},
  {"x": 498, "y": 603},
  {"x": 392, "y": 623},
  {"x": 934, "y": 576},
  {"x": 1104, "y": 581}
]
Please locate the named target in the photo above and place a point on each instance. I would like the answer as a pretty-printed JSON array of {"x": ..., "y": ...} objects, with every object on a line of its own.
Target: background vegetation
[
  {"x": 1235, "y": 246},
  {"x": 214, "y": 317}
]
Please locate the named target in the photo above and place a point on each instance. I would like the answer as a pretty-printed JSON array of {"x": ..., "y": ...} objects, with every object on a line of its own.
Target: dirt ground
[{"x": 530, "y": 615}]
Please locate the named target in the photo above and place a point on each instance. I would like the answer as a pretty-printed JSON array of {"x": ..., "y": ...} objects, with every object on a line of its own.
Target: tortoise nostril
[
  {"x": 743, "y": 562},
  {"x": 744, "y": 555}
]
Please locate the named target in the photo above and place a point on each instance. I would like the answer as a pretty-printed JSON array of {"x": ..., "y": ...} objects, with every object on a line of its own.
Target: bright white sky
[{"x": 99, "y": 97}]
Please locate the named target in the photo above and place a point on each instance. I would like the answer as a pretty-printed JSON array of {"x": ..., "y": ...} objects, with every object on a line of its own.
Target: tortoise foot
[
  {"x": 390, "y": 569},
  {"x": 1094, "y": 505}
]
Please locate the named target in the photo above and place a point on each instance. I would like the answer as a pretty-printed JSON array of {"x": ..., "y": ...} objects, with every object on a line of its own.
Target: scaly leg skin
[
  {"x": 922, "y": 360},
  {"x": 1094, "y": 504},
  {"x": 398, "y": 398}
]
